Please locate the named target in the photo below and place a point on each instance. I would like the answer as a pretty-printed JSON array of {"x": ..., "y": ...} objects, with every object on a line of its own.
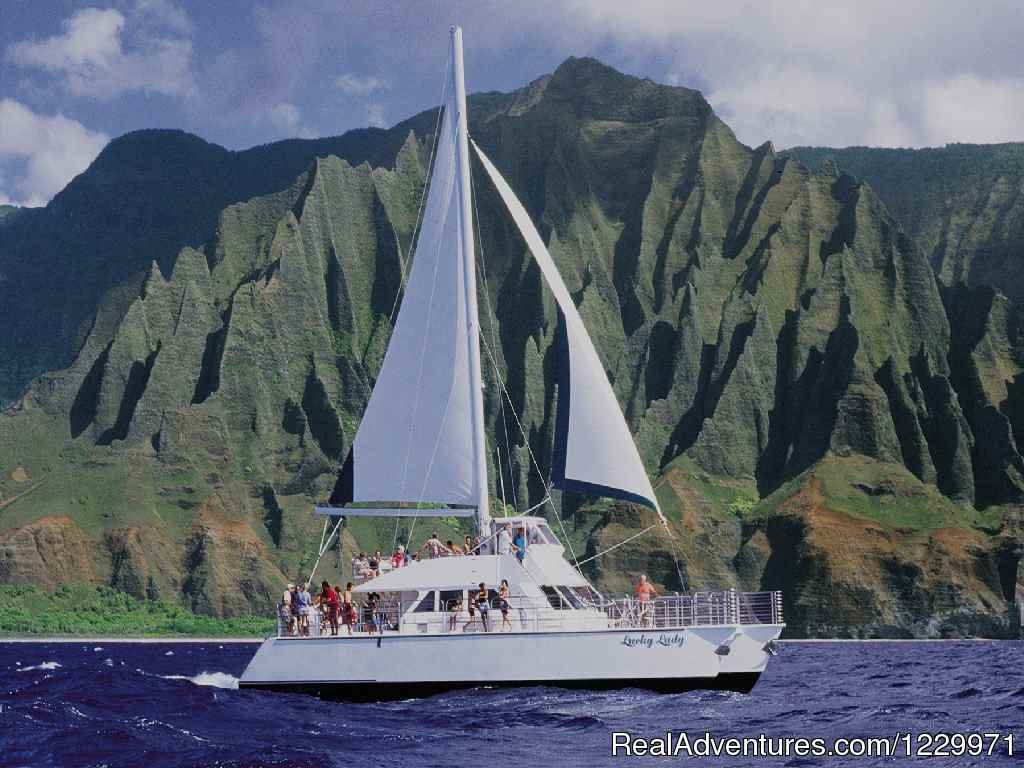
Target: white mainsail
[
  {"x": 594, "y": 450},
  {"x": 421, "y": 439},
  {"x": 415, "y": 443}
]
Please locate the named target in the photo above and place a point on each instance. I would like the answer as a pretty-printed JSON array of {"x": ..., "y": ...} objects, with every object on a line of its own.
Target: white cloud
[
  {"x": 806, "y": 72},
  {"x": 353, "y": 85},
  {"x": 102, "y": 53},
  {"x": 52, "y": 148},
  {"x": 971, "y": 109},
  {"x": 286, "y": 119}
]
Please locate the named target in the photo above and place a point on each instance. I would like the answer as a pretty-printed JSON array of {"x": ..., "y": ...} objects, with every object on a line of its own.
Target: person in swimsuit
[
  {"x": 468, "y": 547},
  {"x": 471, "y": 607},
  {"x": 434, "y": 546},
  {"x": 348, "y": 610},
  {"x": 503, "y": 605},
  {"x": 483, "y": 605},
  {"x": 454, "y": 609}
]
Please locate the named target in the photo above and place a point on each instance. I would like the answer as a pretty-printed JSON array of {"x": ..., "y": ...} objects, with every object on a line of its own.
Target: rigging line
[
  {"x": 624, "y": 541},
  {"x": 533, "y": 458},
  {"x": 324, "y": 548},
  {"x": 538, "y": 505},
  {"x": 417, "y": 225},
  {"x": 492, "y": 322}
]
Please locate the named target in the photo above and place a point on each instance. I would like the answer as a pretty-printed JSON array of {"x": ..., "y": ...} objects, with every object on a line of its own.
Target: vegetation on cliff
[{"x": 89, "y": 611}]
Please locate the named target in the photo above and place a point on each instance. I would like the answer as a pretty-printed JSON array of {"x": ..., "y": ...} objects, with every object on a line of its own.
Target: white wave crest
[
  {"x": 44, "y": 665},
  {"x": 213, "y": 679}
]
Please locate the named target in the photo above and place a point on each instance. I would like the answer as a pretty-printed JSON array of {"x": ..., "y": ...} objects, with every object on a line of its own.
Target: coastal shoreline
[{"x": 240, "y": 640}]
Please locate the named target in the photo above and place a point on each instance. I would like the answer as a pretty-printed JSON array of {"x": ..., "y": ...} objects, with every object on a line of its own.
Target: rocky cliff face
[{"x": 759, "y": 322}]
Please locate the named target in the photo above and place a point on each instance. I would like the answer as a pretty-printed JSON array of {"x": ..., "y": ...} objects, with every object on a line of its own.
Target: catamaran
[{"x": 420, "y": 451}]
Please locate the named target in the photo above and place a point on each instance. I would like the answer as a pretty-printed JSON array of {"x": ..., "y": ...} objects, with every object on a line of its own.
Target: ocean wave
[
  {"x": 212, "y": 679},
  {"x": 47, "y": 665}
]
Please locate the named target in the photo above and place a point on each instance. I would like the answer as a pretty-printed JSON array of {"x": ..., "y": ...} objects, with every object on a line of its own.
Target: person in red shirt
[{"x": 329, "y": 598}]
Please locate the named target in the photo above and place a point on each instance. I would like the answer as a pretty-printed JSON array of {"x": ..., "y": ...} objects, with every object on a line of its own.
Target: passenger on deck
[
  {"x": 348, "y": 610},
  {"x": 483, "y": 605},
  {"x": 285, "y": 609},
  {"x": 503, "y": 605},
  {"x": 505, "y": 540},
  {"x": 305, "y": 606},
  {"x": 453, "y": 549},
  {"x": 374, "y": 564},
  {"x": 329, "y": 601},
  {"x": 361, "y": 566},
  {"x": 296, "y": 625},
  {"x": 454, "y": 609},
  {"x": 519, "y": 545},
  {"x": 434, "y": 546},
  {"x": 471, "y": 607},
  {"x": 645, "y": 592},
  {"x": 370, "y": 616},
  {"x": 468, "y": 546},
  {"x": 398, "y": 559}
]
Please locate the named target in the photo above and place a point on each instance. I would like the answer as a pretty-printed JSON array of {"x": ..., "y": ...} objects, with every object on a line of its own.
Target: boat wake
[{"x": 213, "y": 679}]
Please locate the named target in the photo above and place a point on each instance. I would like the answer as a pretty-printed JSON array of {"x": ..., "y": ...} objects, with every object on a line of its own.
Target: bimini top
[{"x": 544, "y": 565}]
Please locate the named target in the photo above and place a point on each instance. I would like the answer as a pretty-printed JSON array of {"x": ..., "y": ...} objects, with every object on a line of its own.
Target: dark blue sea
[{"x": 155, "y": 705}]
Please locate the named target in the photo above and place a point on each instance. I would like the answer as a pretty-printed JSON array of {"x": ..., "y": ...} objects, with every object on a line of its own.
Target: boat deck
[{"x": 675, "y": 612}]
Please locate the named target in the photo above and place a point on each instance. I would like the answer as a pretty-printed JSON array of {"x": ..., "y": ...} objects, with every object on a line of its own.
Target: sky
[{"x": 899, "y": 73}]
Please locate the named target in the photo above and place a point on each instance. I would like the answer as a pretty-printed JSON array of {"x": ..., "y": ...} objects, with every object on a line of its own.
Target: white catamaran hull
[{"x": 399, "y": 666}]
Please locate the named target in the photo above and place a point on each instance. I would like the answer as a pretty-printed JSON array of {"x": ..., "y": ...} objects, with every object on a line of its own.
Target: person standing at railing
[
  {"x": 285, "y": 610},
  {"x": 519, "y": 545},
  {"x": 348, "y": 609},
  {"x": 434, "y": 546},
  {"x": 503, "y": 605},
  {"x": 454, "y": 609},
  {"x": 483, "y": 604},
  {"x": 329, "y": 599},
  {"x": 305, "y": 603},
  {"x": 645, "y": 592},
  {"x": 505, "y": 540}
]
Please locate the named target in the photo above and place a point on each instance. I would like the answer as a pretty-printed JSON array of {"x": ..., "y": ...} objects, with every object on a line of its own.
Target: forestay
[
  {"x": 594, "y": 450},
  {"x": 415, "y": 441}
]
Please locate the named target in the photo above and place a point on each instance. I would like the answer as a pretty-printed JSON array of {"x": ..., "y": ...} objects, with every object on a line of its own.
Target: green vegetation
[
  {"x": 884, "y": 493},
  {"x": 90, "y": 611}
]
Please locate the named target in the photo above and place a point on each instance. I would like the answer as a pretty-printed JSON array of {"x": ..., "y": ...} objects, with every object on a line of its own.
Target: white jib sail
[
  {"x": 594, "y": 442},
  {"x": 415, "y": 441}
]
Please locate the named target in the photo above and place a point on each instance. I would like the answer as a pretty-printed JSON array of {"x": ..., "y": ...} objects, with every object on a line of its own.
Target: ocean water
[{"x": 156, "y": 705}]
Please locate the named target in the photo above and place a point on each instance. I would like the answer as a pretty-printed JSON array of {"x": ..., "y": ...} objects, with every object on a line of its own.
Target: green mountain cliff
[{"x": 194, "y": 333}]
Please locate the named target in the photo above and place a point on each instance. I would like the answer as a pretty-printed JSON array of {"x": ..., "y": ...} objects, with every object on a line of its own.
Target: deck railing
[{"x": 727, "y": 607}]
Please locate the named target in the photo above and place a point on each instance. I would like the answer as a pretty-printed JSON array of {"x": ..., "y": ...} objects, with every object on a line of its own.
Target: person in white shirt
[{"x": 505, "y": 540}]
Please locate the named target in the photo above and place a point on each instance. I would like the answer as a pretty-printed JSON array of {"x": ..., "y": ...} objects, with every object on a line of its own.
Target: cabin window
[
  {"x": 541, "y": 534},
  {"x": 555, "y": 598},
  {"x": 426, "y": 605},
  {"x": 450, "y": 597}
]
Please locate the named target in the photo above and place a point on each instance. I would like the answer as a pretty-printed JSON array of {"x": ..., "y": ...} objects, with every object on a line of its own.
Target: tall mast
[{"x": 483, "y": 516}]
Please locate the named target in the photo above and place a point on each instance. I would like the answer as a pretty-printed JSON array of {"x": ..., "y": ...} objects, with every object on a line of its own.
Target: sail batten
[{"x": 594, "y": 450}]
